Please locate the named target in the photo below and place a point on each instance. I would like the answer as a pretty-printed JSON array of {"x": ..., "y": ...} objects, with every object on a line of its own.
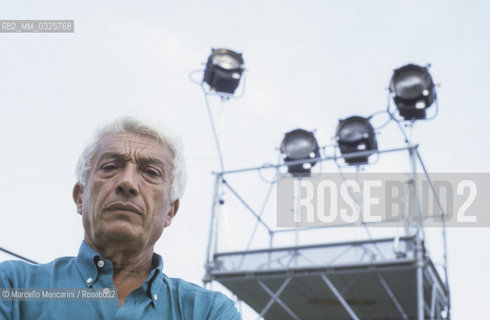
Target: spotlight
[
  {"x": 356, "y": 134},
  {"x": 297, "y": 145},
  {"x": 413, "y": 91},
  {"x": 224, "y": 70}
]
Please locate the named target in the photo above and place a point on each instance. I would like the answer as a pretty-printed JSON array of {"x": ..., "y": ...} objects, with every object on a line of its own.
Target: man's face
[{"x": 127, "y": 194}]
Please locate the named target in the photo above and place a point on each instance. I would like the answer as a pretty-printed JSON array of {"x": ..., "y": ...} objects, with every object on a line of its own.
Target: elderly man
[{"x": 130, "y": 180}]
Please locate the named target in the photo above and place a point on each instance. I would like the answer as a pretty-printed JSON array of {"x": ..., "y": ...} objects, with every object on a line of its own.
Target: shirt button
[
  {"x": 100, "y": 263},
  {"x": 89, "y": 280},
  {"x": 155, "y": 297}
]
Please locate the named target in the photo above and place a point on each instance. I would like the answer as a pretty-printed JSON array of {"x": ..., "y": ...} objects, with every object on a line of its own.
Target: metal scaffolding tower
[{"x": 297, "y": 273}]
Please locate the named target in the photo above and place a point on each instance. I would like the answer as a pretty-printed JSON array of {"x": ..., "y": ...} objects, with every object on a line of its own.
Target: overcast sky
[{"x": 308, "y": 63}]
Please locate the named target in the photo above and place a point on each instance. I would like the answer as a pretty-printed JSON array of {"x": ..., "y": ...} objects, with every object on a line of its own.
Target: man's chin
[{"x": 121, "y": 231}]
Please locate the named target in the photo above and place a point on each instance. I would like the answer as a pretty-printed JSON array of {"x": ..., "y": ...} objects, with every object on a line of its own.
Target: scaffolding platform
[
  {"x": 351, "y": 280},
  {"x": 393, "y": 273}
]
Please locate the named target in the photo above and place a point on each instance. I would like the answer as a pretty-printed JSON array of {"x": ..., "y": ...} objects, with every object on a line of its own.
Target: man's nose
[{"x": 127, "y": 183}]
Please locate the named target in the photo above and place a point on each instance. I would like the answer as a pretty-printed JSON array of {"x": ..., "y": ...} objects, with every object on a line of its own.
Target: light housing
[
  {"x": 298, "y": 145},
  {"x": 356, "y": 134},
  {"x": 224, "y": 70},
  {"x": 413, "y": 91}
]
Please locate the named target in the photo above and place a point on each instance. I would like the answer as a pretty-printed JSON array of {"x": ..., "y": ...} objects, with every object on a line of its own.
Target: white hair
[{"x": 131, "y": 125}]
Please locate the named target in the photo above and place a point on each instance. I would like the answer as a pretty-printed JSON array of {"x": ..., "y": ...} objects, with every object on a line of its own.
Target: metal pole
[
  {"x": 413, "y": 185},
  {"x": 407, "y": 199},
  {"x": 269, "y": 254},
  {"x": 212, "y": 225},
  {"x": 433, "y": 301},
  {"x": 215, "y": 134},
  {"x": 419, "y": 256},
  {"x": 443, "y": 216},
  {"x": 416, "y": 204},
  {"x": 17, "y": 255}
]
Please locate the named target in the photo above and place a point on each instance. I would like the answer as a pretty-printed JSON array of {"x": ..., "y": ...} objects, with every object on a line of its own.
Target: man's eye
[
  {"x": 152, "y": 172},
  {"x": 109, "y": 167}
]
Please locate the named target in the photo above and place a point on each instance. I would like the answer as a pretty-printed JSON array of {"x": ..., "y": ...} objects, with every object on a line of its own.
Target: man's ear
[
  {"x": 174, "y": 207},
  {"x": 77, "y": 196}
]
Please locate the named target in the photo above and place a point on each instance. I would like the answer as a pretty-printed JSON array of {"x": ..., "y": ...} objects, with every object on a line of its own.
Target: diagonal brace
[
  {"x": 275, "y": 298},
  {"x": 252, "y": 211},
  {"x": 339, "y": 296},
  {"x": 392, "y": 297}
]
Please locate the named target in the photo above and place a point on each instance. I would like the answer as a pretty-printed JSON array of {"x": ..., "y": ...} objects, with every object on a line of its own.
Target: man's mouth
[{"x": 124, "y": 207}]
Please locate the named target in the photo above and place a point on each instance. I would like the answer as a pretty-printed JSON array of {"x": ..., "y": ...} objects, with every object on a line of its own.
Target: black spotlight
[
  {"x": 356, "y": 134},
  {"x": 413, "y": 91},
  {"x": 224, "y": 70},
  {"x": 297, "y": 145}
]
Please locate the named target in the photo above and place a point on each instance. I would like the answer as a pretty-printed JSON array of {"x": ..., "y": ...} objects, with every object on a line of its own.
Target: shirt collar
[
  {"x": 86, "y": 262},
  {"x": 88, "y": 258},
  {"x": 155, "y": 279}
]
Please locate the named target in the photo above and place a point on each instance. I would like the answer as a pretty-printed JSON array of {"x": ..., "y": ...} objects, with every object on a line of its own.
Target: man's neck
[{"x": 130, "y": 267}]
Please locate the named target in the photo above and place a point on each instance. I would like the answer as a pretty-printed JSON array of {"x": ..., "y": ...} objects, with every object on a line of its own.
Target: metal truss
[{"x": 429, "y": 295}]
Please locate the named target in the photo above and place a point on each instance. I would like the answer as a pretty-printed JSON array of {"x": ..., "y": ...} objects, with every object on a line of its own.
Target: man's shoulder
[
  {"x": 17, "y": 272},
  {"x": 191, "y": 295},
  {"x": 23, "y": 265},
  {"x": 182, "y": 287},
  {"x": 12, "y": 267}
]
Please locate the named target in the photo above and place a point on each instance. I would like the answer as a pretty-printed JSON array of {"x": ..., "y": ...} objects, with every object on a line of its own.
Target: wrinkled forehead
[{"x": 134, "y": 146}]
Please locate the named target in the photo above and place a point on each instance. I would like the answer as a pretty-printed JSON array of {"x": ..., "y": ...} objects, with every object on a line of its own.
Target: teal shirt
[{"x": 160, "y": 297}]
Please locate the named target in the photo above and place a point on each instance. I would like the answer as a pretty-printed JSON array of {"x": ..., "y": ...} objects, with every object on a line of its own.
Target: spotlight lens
[
  {"x": 226, "y": 61},
  {"x": 299, "y": 144},
  {"x": 356, "y": 134},
  {"x": 411, "y": 84},
  {"x": 412, "y": 90},
  {"x": 298, "y": 147},
  {"x": 223, "y": 70},
  {"x": 354, "y": 131}
]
